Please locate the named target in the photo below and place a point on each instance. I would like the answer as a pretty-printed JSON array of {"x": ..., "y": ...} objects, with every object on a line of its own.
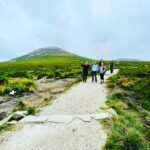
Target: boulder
[{"x": 113, "y": 113}]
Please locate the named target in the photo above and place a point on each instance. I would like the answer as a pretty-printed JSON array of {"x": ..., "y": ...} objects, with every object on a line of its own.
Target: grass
[
  {"x": 21, "y": 85},
  {"x": 129, "y": 97},
  {"x": 10, "y": 72},
  {"x": 48, "y": 100},
  {"x": 5, "y": 127},
  {"x": 30, "y": 109}
]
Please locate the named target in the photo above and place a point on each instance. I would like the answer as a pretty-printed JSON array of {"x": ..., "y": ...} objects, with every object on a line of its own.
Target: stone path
[
  {"x": 70, "y": 123},
  {"x": 64, "y": 118}
]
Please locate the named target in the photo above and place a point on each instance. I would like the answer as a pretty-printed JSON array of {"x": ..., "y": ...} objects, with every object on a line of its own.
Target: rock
[
  {"x": 60, "y": 118},
  {"x": 16, "y": 117},
  {"x": 99, "y": 116},
  {"x": 5, "y": 120},
  {"x": 3, "y": 115},
  {"x": 23, "y": 113},
  {"x": 33, "y": 119},
  {"x": 86, "y": 118},
  {"x": 12, "y": 92},
  {"x": 12, "y": 122},
  {"x": 113, "y": 113},
  {"x": 30, "y": 71}
]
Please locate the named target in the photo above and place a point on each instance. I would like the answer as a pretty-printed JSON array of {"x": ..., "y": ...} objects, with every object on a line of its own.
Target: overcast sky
[{"x": 107, "y": 29}]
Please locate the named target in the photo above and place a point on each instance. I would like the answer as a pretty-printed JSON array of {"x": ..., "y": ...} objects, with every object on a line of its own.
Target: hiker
[
  {"x": 101, "y": 61},
  {"x": 111, "y": 65},
  {"x": 85, "y": 67},
  {"x": 94, "y": 71},
  {"x": 102, "y": 69}
]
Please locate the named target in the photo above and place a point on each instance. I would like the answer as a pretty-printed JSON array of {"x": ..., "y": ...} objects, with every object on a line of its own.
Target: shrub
[
  {"x": 114, "y": 142},
  {"x": 50, "y": 75},
  {"x": 17, "y": 74},
  {"x": 31, "y": 110},
  {"x": 2, "y": 88},
  {"x": 133, "y": 140},
  {"x": 132, "y": 105},
  {"x": 3, "y": 80},
  {"x": 20, "y": 85},
  {"x": 118, "y": 93},
  {"x": 41, "y": 75},
  {"x": 5, "y": 127}
]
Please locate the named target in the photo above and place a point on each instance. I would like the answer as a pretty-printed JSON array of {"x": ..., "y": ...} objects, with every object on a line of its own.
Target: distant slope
[
  {"x": 48, "y": 53},
  {"x": 127, "y": 59}
]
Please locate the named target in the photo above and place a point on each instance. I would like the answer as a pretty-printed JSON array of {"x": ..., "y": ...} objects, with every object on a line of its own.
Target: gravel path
[{"x": 81, "y": 99}]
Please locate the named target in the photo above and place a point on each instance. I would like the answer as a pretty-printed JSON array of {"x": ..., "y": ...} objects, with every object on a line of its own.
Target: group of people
[{"x": 94, "y": 69}]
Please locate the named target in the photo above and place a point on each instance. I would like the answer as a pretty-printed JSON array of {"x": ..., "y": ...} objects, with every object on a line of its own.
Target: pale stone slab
[
  {"x": 33, "y": 119},
  {"x": 21, "y": 113},
  {"x": 99, "y": 116},
  {"x": 60, "y": 118},
  {"x": 5, "y": 120},
  {"x": 112, "y": 112},
  {"x": 12, "y": 122},
  {"x": 85, "y": 118},
  {"x": 64, "y": 118}
]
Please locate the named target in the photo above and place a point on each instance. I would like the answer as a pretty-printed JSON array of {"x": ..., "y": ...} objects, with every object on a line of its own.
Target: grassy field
[
  {"x": 20, "y": 75},
  {"x": 129, "y": 96}
]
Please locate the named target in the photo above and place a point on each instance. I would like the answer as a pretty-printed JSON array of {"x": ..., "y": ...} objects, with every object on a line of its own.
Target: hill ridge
[{"x": 45, "y": 53}]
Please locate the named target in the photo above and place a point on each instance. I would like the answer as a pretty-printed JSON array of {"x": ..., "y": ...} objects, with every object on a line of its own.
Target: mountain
[
  {"x": 127, "y": 59},
  {"x": 47, "y": 53}
]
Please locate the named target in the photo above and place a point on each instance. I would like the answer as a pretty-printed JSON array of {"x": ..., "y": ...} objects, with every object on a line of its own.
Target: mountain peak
[{"x": 46, "y": 53}]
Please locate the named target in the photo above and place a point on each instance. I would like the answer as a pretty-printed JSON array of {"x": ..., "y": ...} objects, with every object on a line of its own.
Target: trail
[{"x": 70, "y": 123}]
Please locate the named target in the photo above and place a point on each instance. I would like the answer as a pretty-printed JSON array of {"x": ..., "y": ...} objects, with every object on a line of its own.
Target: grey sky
[{"x": 107, "y": 29}]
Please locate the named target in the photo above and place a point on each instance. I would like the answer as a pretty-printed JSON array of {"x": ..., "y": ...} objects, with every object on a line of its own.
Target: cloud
[{"x": 93, "y": 28}]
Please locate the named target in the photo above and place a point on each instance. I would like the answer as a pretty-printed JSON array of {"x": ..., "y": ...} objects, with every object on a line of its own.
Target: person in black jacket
[
  {"x": 85, "y": 67},
  {"x": 111, "y": 65}
]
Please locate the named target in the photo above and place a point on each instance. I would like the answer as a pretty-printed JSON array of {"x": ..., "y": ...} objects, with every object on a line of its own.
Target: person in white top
[
  {"x": 94, "y": 71},
  {"x": 102, "y": 69}
]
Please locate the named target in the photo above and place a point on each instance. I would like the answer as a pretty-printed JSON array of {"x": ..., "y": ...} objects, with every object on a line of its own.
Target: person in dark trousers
[
  {"x": 102, "y": 69},
  {"x": 111, "y": 65},
  {"x": 94, "y": 71},
  {"x": 85, "y": 67}
]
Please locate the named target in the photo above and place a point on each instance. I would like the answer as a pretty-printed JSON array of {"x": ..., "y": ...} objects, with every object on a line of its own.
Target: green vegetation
[
  {"x": 30, "y": 109},
  {"x": 20, "y": 85},
  {"x": 51, "y": 62},
  {"x": 5, "y": 127},
  {"x": 130, "y": 92},
  {"x": 20, "y": 76}
]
